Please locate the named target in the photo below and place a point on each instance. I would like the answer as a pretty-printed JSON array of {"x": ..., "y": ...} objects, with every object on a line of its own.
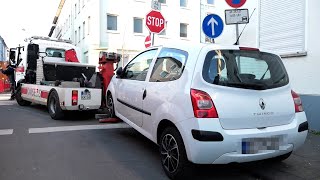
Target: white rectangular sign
[
  {"x": 156, "y": 5},
  {"x": 237, "y": 16}
]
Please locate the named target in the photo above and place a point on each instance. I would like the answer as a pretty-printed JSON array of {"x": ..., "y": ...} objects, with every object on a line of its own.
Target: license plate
[
  {"x": 85, "y": 95},
  {"x": 257, "y": 145}
]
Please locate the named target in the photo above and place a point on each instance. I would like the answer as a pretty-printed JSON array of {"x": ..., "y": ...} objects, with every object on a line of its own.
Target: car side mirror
[
  {"x": 129, "y": 74},
  {"x": 119, "y": 72}
]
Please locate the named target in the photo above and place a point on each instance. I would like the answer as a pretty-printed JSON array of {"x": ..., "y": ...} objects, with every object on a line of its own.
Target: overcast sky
[{"x": 35, "y": 16}]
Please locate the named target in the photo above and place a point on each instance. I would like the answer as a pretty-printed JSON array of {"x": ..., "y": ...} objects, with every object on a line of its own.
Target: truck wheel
[
  {"x": 54, "y": 108},
  {"x": 173, "y": 155},
  {"x": 19, "y": 99},
  {"x": 110, "y": 106}
]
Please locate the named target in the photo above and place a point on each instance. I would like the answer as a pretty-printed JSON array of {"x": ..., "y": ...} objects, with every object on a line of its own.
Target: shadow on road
[{"x": 140, "y": 149}]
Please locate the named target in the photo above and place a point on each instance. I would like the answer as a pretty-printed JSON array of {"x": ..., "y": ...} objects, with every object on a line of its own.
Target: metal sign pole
[
  {"x": 237, "y": 43},
  {"x": 152, "y": 39},
  {"x": 237, "y": 34}
]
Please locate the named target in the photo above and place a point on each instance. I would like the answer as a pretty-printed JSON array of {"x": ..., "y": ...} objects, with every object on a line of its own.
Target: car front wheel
[
  {"x": 173, "y": 154},
  {"x": 110, "y": 106}
]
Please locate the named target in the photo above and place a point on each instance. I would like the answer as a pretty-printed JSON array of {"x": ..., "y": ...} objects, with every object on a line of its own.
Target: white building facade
[
  {"x": 289, "y": 28},
  {"x": 119, "y": 26}
]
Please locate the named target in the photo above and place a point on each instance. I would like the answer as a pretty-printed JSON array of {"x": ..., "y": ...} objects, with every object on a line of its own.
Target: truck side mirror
[
  {"x": 33, "y": 50},
  {"x": 32, "y": 56},
  {"x": 12, "y": 55}
]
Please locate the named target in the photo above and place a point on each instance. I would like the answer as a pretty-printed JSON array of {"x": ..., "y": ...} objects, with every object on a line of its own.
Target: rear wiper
[{"x": 247, "y": 85}]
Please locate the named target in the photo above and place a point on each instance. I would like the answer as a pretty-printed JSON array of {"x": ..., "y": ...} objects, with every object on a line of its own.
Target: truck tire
[
  {"x": 19, "y": 99},
  {"x": 54, "y": 107}
]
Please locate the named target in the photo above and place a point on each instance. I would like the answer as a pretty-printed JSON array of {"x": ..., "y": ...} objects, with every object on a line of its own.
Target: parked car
[{"x": 209, "y": 104}]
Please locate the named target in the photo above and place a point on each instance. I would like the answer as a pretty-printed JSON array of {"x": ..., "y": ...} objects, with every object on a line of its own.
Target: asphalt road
[{"x": 35, "y": 147}]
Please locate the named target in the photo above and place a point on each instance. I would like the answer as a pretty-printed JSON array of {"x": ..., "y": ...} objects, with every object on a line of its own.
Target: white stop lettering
[{"x": 153, "y": 21}]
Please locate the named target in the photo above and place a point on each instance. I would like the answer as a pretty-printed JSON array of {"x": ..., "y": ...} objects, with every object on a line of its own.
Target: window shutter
[{"x": 282, "y": 26}]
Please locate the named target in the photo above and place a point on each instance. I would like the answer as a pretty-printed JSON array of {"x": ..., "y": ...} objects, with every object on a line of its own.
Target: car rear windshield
[{"x": 244, "y": 69}]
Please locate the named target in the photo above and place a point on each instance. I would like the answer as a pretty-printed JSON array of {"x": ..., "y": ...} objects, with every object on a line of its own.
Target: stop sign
[{"x": 155, "y": 22}]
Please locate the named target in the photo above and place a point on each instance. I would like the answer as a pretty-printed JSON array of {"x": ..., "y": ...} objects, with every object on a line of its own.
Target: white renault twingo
[{"x": 209, "y": 104}]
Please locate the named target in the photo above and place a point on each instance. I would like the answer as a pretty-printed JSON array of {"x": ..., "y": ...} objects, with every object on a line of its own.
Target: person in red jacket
[{"x": 10, "y": 69}]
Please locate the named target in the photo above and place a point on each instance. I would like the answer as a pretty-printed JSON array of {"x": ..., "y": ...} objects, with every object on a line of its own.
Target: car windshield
[{"x": 244, "y": 69}]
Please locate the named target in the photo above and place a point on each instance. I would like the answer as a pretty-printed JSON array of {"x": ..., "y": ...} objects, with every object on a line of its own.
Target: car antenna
[{"x": 244, "y": 28}]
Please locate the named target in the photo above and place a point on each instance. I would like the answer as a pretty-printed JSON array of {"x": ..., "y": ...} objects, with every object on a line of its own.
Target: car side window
[
  {"x": 138, "y": 68},
  {"x": 169, "y": 65}
]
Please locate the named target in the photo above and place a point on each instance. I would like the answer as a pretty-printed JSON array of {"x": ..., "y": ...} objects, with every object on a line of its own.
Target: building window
[
  {"x": 162, "y": 1},
  {"x": 288, "y": 37},
  {"x": 137, "y": 25},
  {"x": 83, "y": 29},
  {"x": 79, "y": 30},
  {"x": 86, "y": 57},
  {"x": 75, "y": 37},
  {"x": 183, "y": 3},
  {"x": 210, "y": 1},
  {"x": 112, "y": 22},
  {"x": 183, "y": 30},
  {"x": 75, "y": 11},
  {"x": 164, "y": 32},
  {"x": 79, "y": 6},
  {"x": 88, "y": 25}
]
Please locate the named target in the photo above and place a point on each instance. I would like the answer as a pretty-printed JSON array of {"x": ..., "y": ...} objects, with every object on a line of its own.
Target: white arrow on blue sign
[{"x": 212, "y": 26}]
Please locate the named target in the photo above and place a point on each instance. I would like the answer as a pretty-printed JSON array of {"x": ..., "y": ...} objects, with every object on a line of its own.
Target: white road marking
[
  {"x": 4, "y": 97},
  {"x": 77, "y": 128},
  {"x": 6, "y": 132}
]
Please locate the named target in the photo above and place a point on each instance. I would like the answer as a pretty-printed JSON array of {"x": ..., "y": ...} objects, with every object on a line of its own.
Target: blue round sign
[{"x": 212, "y": 26}]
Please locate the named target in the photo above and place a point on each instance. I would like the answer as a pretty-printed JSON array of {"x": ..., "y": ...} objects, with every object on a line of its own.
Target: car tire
[
  {"x": 19, "y": 99},
  {"x": 173, "y": 155},
  {"x": 54, "y": 107},
  {"x": 110, "y": 106}
]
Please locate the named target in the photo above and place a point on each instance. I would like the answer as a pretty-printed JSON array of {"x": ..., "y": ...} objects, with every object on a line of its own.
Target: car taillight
[
  {"x": 74, "y": 98},
  {"x": 297, "y": 102},
  {"x": 203, "y": 106},
  {"x": 20, "y": 69}
]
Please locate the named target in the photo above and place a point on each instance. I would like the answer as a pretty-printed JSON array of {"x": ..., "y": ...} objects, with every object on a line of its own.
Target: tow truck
[{"x": 49, "y": 73}]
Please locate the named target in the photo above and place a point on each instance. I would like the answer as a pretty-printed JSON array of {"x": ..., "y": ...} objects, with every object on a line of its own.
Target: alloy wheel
[
  {"x": 169, "y": 153},
  {"x": 110, "y": 105}
]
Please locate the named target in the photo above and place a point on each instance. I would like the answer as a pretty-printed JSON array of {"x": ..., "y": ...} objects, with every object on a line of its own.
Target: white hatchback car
[{"x": 209, "y": 104}]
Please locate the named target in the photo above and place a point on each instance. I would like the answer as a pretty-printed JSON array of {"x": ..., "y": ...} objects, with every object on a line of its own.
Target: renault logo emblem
[{"x": 262, "y": 104}]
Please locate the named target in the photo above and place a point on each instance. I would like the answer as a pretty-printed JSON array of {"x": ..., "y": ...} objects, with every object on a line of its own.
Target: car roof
[
  {"x": 191, "y": 46},
  {"x": 196, "y": 47}
]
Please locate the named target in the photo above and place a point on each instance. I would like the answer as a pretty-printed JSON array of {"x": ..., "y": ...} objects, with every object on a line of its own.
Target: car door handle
[{"x": 144, "y": 94}]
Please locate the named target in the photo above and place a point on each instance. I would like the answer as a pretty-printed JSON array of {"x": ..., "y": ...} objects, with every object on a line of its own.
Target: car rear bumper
[{"x": 227, "y": 148}]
